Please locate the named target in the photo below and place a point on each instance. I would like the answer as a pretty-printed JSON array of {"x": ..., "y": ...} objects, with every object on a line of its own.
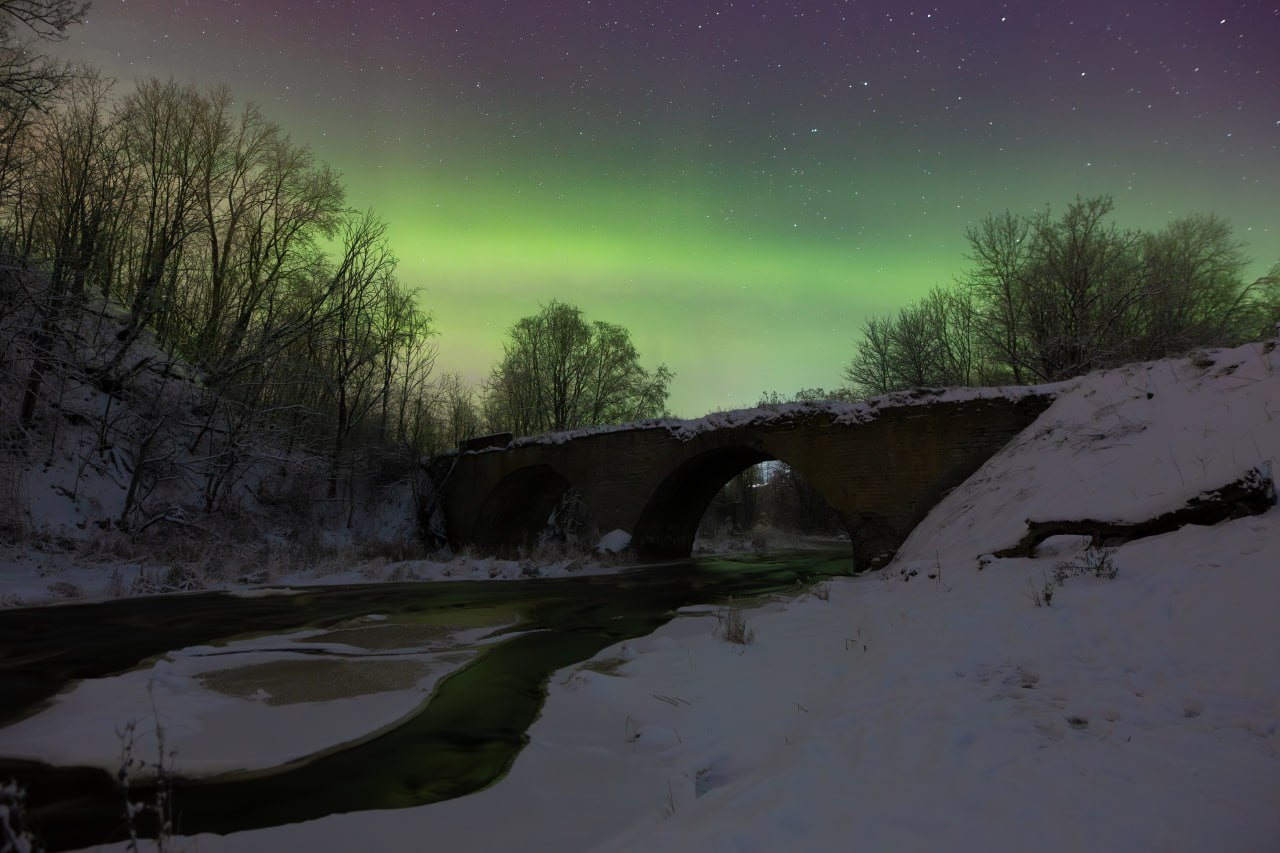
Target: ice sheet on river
[{"x": 249, "y": 704}]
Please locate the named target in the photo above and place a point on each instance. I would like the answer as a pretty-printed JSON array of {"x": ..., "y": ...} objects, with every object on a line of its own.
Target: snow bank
[
  {"x": 30, "y": 577},
  {"x": 1121, "y": 445},
  {"x": 614, "y": 541}
]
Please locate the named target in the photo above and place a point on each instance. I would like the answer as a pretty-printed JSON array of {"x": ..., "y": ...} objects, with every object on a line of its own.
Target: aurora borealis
[{"x": 739, "y": 183}]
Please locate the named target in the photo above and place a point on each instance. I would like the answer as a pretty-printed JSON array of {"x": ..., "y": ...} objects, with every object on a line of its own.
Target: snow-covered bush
[
  {"x": 15, "y": 835},
  {"x": 1099, "y": 562}
]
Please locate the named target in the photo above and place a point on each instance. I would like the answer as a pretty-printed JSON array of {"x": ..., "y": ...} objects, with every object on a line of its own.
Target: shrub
[
  {"x": 1098, "y": 562},
  {"x": 733, "y": 625},
  {"x": 153, "y": 816},
  {"x": 158, "y": 580},
  {"x": 65, "y": 589},
  {"x": 1042, "y": 597},
  {"x": 15, "y": 831}
]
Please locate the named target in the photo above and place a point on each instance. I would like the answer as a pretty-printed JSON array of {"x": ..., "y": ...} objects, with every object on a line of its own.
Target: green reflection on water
[{"x": 464, "y": 739}]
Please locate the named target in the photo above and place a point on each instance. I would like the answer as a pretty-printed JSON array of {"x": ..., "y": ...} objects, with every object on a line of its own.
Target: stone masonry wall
[{"x": 882, "y": 476}]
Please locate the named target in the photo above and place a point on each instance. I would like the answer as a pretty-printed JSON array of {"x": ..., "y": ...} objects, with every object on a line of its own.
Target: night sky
[{"x": 739, "y": 183}]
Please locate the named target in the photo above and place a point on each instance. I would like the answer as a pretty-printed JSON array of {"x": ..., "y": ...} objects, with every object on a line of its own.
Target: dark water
[{"x": 464, "y": 739}]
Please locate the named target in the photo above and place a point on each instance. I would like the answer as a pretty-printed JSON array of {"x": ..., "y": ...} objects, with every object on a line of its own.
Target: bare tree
[
  {"x": 871, "y": 372},
  {"x": 264, "y": 208},
  {"x": 1051, "y": 297},
  {"x": 28, "y": 82},
  {"x": 1194, "y": 267},
  {"x": 16, "y": 156},
  {"x": 75, "y": 184},
  {"x": 1261, "y": 315},
  {"x": 407, "y": 357},
  {"x": 1082, "y": 287},
  {"x": 27, "y": 76},
  {"x": 927, "y": 343},
  {"x": 362, "y": 282},
  {"x": 440, "y": 413},
  {"x": 1054, "y": 297},
  {"x": 998, "y": 250},
  {"x": 68, "y": 213},
  {"x": 161, "y": 127},
  {"x": 560, "y": 372}
]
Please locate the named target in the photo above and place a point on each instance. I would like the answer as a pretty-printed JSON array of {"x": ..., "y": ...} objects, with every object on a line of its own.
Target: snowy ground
[{"x": 934, "y": 705}]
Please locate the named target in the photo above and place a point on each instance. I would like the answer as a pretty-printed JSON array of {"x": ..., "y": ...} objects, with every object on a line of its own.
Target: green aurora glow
[{"x": 741, "y": 228}]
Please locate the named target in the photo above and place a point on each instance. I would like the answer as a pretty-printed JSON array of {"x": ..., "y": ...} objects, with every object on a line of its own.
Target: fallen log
[{"x": 1252, "y": 494}]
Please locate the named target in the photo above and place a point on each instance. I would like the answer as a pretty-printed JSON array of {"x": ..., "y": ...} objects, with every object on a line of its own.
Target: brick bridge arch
[
  {"x": 517, "y": 507},
  {"x": 881, "y": 465}
]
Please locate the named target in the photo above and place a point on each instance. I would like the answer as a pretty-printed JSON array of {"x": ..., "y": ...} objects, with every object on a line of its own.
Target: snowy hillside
[
  {"x": 934, "y": 705},
  {"x": 133, "y": 476},
  {"x": 1122, "y": 445}
]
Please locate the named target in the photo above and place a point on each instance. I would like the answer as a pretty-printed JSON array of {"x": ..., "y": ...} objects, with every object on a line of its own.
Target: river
[{"x": 464, "y": 738}]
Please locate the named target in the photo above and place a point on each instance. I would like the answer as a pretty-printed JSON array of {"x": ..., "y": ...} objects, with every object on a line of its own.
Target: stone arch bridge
[{"x": 882, "y": 465}]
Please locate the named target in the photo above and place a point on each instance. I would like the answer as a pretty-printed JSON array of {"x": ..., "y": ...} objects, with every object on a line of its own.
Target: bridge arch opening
[
  {"x": 528, "y": 507},
  {"x": 707, "y": 495},
  {"x": 767, "y": 506}
]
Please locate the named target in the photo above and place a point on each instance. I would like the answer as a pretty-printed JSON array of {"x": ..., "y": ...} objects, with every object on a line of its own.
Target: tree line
[
  {"x": 1050, "y": 297},
  {"x": 232, "y": 250}
]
